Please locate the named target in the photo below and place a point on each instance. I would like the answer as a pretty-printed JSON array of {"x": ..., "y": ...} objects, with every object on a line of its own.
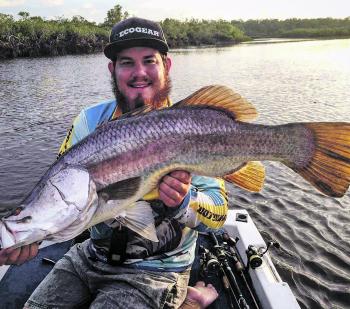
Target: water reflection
[{"x": 287, "y": 82}]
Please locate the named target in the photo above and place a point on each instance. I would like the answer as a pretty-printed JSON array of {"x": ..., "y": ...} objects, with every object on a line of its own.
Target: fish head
[{"x": 64, "y": 200}]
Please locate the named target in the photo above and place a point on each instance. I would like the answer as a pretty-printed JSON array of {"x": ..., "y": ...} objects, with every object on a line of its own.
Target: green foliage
[
  {"x": 201, "y": 32},
  {"x": 6, "y": 18},
  {"x": 6, "y": 24},
  {"x": 317, "y": 33},
  {"x": 115, "y": 15},
  {"x": 24, "y": 15},
  {"x": 175, "y": 32},
  {"x": 294, "y": 27},
  {"x": 35, "y": 36}
]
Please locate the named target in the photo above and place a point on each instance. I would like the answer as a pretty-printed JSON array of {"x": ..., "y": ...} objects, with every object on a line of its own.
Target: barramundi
[{"x": 210, "y": 133}]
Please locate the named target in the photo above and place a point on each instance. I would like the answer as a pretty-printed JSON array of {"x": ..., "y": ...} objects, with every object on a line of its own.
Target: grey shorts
[{"x": 78, "y": 282}]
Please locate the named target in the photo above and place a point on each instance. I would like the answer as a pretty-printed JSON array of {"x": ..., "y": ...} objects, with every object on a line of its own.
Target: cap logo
[
  {"x": 135, "y": 32},
  {"x": 139, "y": 30}
]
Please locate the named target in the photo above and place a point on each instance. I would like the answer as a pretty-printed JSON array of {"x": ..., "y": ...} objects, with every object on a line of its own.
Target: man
[{"x": 116, "y": 267}]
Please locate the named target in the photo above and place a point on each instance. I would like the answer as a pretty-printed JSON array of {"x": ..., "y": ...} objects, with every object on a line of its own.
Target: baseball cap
[{"x": 134, "y": 32}]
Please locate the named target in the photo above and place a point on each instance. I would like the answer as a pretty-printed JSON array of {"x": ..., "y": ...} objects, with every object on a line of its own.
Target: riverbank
[
  {"x": 35, "y": 37},
  {"x": 55, "y": 45},
  {"x": 60, "y": 46}
]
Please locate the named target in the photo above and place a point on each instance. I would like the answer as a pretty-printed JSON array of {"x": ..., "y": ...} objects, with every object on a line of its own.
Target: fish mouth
[{"x": 7, "y": 238}]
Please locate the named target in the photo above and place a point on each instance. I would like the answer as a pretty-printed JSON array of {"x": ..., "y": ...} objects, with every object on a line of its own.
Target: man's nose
[{"x": 139, "y": 70}]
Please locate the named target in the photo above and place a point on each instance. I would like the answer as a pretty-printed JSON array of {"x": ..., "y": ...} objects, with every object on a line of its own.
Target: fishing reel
[
  {"x": 255, "y": 254},
  {"x": 209, "y": 262}
]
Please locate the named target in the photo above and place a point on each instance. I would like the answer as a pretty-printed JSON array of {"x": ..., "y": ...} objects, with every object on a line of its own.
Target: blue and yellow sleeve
[
  {"x": 86, "y": 122},
  {"x": 77, "y": 132},
  {"x": 206, "y": 205}
]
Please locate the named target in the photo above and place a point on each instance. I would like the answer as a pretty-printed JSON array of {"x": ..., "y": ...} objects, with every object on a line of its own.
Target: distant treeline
[
  {"x": 201, "y": 32},
  {"x": 34, "y": 36},
  {"x": 295, "y": 28}
]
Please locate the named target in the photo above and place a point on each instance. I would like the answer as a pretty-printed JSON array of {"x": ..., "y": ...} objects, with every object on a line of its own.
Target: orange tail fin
[{"x": 329, "y": 169}]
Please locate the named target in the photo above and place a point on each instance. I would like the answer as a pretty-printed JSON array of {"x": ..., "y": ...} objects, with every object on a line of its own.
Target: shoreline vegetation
[{"x": 34, "y": 36}]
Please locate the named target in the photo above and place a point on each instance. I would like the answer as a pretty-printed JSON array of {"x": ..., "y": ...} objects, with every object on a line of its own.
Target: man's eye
[
  {"x": 150, "y": 61},
  {"x": 125, "y": 63}
]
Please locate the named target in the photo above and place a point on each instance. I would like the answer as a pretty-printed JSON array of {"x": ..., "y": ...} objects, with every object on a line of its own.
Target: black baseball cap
[{"x": 134, "y": 32}]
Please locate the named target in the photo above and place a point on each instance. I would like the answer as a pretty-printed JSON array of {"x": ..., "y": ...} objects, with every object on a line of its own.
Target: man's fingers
[
  {"x": 13, "y": 256},
  {"x": 19, "y": 255},
  {"x": 167, "y": 200},
  {"x": 23, "y": 255},
  {"x": 168, "y": 195},
  {"x": 4, "y": 255},
  {"x": 174, "y": 184},
  {"x": 183, "y": 176},
  {"x": 34, "y": 248},
  {"x": 174, "y": 187},
  {"x": 199, "y": 284}
]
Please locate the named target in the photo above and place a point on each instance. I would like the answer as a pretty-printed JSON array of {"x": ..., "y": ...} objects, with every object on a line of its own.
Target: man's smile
[{"x": 139, "y": 84}]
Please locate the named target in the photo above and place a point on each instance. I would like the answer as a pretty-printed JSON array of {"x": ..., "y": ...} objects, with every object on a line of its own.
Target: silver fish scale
[
  {"x": 141, "y": 144},
  {"x": 125, "y": 135},
  {"x": 194, "y": 138}
]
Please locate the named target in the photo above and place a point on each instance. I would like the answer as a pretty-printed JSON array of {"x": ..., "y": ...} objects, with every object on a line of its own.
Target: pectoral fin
[
  {"x": 139, "y": 111},
  {"x": 250, "y": 177},
  {"x": 121, "y": 190},
  {"x": 140, "y": 219}
]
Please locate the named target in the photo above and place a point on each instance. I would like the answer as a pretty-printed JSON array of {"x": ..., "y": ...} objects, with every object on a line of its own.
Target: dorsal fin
[
  {"x": 141, "y": 110},
  {"x": 250, "y": 176},
  {"x": 221, "y": 97}
]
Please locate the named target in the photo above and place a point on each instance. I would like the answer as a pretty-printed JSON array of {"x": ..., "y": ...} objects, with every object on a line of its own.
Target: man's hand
[
  {"x": 19, "y": 255},
  {"x": 174, "y": 187}
]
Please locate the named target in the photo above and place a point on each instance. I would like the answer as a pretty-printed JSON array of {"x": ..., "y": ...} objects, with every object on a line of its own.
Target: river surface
[{"x": 286, "y": 81}]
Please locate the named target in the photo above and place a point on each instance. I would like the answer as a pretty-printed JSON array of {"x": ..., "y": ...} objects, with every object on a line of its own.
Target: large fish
[{"x": 109, "y": 172}]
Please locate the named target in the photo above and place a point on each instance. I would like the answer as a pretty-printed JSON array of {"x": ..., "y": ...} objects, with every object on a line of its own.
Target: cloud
[
  {"x": 88, "y": 10},
  {"x": 11, "y": 3},
  {"x": 88, "y": 6},
  {"x": 52, "y": 2}
]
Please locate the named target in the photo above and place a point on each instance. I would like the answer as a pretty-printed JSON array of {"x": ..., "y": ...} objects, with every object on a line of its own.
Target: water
[{"x": 287, "y": 82}]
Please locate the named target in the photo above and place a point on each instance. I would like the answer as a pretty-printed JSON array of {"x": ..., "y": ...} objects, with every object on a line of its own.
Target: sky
[{"x": 96, "y": 10}]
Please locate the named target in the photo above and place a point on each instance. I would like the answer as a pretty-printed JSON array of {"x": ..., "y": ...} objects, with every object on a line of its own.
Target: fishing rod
[
  {"x": 211, "y": 264},
  {"x": 238, "y": 263},
  {"x": 221, "y": 255}
]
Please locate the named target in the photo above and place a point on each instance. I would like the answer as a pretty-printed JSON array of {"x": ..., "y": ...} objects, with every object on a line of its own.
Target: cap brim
[{"x": 112, "y": 49}]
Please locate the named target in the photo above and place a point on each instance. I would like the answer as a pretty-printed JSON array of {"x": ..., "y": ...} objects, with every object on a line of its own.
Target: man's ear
[
  {"x": 111, "y": 66},
  {"x": 168, "y": 63}
]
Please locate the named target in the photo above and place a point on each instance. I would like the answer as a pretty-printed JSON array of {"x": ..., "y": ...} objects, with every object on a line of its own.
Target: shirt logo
[{"x": 211, "y": 216}]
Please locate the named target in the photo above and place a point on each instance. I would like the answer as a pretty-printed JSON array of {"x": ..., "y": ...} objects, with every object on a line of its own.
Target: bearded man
[{"x": 116, "y": 267}]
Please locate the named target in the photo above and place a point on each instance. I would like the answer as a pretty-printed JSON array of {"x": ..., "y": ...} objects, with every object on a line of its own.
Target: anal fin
[
  {"x": 152, "y": 195},
  {"x": 250, "y": 177},
  {"x": 139, "y": 218}
]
